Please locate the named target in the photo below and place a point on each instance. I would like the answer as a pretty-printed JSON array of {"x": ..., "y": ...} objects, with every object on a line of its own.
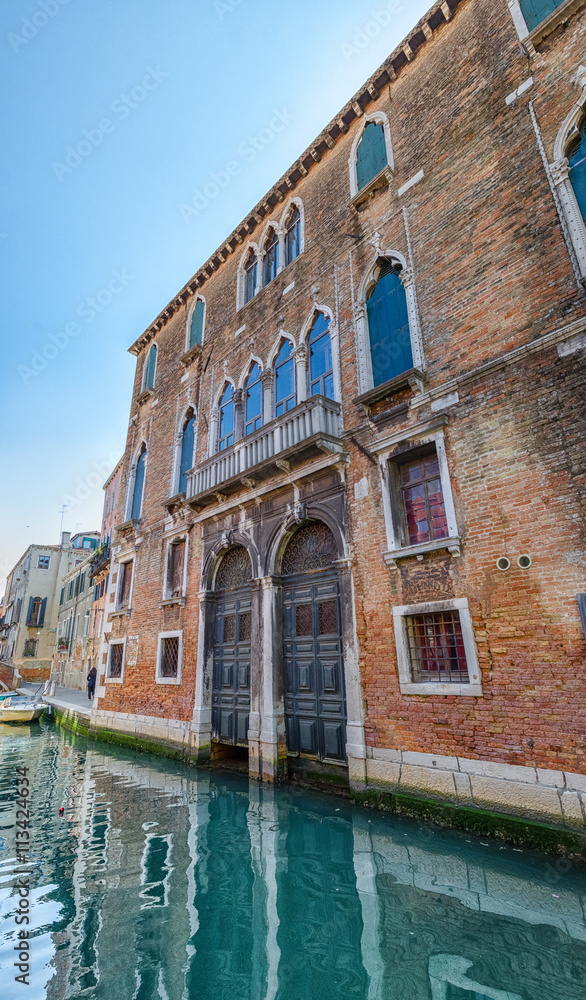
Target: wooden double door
[
  {"x": 315, "y": 697},
  {"x": 231, "y": 670}
]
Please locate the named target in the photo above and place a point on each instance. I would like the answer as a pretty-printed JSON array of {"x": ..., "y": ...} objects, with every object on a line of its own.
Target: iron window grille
[
  {"x": 169, "y": 662},
  {"x": 436, "y": 648},
  {"x": 116, "y": 660}
]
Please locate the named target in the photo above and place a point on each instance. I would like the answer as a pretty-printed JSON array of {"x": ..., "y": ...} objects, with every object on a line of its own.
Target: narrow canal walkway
[{"x": 67, "y": 698}]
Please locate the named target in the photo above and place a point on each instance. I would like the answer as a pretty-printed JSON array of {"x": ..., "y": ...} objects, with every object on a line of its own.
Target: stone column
[
  {"x": 300, "y": 355},
  {"x": 267, "y": 379},
  {"x": 201, "y": 725},
  {"x": 213, "y": 432},
  {"x": 355, "y": 742},
  {"x": 238, "y": 414},
  {"x": 272, "y": 751}
]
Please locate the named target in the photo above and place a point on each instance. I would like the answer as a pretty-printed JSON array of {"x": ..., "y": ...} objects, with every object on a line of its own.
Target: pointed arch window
[
  {"x": 285, "y": 395},
  {"x": 253, "y": 401},
  {"x": 577, "y": 167},
  {"x": 196, "y": 327},
  {"x": 187, "y": 446},
  {"x": 388, "y": 325},
  {"x": 226, "y": 428},
  {"x": 271, "y": 257},
  {"x": 138, "y": 489},
  {"x": 250, "y": 273},
  {"x": 293, "y": 236},
  {"x": 536, "y": 11},
  {"x": 371, "y": 156},
  {"x": 151, "y": 368},
  {"x": 321, "y": 373}
]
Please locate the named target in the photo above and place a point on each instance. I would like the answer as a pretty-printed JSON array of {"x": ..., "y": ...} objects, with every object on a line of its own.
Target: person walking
[{"x": 91, "y": 682}]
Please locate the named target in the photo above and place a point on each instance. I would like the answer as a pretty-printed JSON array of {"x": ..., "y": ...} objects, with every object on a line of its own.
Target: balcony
[
  {"x": 100, "y": 561},
  {"x": 312, "y": 428}
]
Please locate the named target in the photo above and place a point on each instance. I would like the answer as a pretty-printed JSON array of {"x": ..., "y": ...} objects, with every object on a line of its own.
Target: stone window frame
[
  {"x": 198, "y": 298},
  {"x": 129, "y": 557},
  {"x": 178, "y": 536},
  {"x": 397, "y": 446},
  {"x": 549, "y": 24},
  {"x": 406, "y": 684},
  {"x": 560, "y": 174},
  {"x": 46, "y": 559},
  {"x": 364, "y": 361},
  {"x": 267, "y": 416},
  {"x": 380, "y": 118},
  {"x": 279, "y": 227},
  {"x": 176, "y": 634},
  {"x": 176, "y": 470},
  {"x": 303, "y": 371},
  {"x": 115, "y": 680},
  {"x": 214, "y": 428}
]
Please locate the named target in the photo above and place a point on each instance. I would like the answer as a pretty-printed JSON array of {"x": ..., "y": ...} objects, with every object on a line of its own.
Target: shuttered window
[
  {"x": 371, "y": 155},
  {"x": 175, "y": 569},
  {"x": 136, "y": 508},
  {"x": 388, "y": 326},
  {"x": 196, "y": 329},
  {"x": 151, "y": 366},
  {"x": 36, "y": 612},
  {"x": 536, "y": 11},
  {"x": 577, "y": 162},
  {"x": 187, "y": 445}
]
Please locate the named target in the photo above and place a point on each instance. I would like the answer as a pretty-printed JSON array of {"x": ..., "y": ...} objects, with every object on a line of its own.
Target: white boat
[{"x": 21, "y": 709}]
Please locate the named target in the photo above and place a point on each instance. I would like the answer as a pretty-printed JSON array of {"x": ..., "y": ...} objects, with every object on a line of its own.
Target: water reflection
[{"x": 162, "y": 882}]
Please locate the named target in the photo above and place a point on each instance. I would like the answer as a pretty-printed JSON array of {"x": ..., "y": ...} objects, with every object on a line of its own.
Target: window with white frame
[
  {"x": 371, "y": 153},
  {"x": 124, "y": 591},
  {"x": 176, "y": 567},
  {"x": 292, "y": 235},
  {"x": 169, "y": 656},
  {"x": 417, "y": 495},
  {"x": 436, "y": 651},
  {"x": 150, "y": 369},
  {"x": 195, "y": 324},
  {"x": 115, "y": 667},
  {"x": 44, "y": 562},
  {"x": 568, "y": 174}
]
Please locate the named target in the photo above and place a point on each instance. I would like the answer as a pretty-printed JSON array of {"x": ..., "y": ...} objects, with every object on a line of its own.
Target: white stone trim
[
  {"x": 518, "y": 19},
  {"x": 407, "y": 685},
  {"x": 335, "y": 346},
  {"x": 132, "y": 478},
  {"x": 178, "y": 634},
  {"x": 116, "y": 680},
  {"x": 145, "y": 366},
  {"x": 381, "y": 119},
  {"x": 520, "y": 90},
  {"x": 123, "y": 561},
  {"x": 427, "y": 433},
  {"x": 411, "y": 183},
  {"x": 560, "y": 179}
]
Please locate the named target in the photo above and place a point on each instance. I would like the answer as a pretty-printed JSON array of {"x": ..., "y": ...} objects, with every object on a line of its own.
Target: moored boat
[{"x": 21, "y": 709}]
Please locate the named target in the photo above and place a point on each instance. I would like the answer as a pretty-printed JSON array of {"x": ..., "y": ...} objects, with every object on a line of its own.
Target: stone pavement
[{"x": 64, "y": 697}]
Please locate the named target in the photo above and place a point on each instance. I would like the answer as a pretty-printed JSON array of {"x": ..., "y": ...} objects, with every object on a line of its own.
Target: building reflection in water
[{"x": 177, "y": 884}]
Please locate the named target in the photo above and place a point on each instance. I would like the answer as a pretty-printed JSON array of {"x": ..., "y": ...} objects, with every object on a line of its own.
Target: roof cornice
[{"x": 438, "y": 15}]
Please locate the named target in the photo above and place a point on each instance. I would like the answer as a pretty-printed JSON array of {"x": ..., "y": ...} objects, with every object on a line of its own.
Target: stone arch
[
  {"x": 303, "y": 515},
  {"x": 251, "y": 249},
  {"x": 573, "y": 223},
  {"x": 252, "y": 360},
  {"x": 379, "y": 118},
  {"x": 230, "y": 540}
]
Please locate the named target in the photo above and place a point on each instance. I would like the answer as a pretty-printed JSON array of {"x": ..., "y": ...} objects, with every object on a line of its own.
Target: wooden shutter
[
  {"x": 138, "y": 487},
  {"x": 371, "y": 155},
  {"x": 30, "y": 609},
  {"x": 41, "y": 620},
  {"x": 536, "y": 11},
  {"x": 388, "y": 328},
  {"x": 196, "y": 331},
  {"x": 187, "y": 443},
  {"x": 151, "y": 366}
]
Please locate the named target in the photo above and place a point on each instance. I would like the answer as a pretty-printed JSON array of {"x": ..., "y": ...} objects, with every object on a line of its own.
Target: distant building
[
  {"x": 83, "y": 599},
  {"x": 31, "y": 604}
]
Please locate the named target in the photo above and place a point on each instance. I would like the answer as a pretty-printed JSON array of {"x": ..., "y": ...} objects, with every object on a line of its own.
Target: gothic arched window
[
  {"x": 196, "y": 327},
  {"x": 388, "y": 325},
  {"x": 271, "y": 257},
  {"x": 150, "y": 368},
  {"x": 226, "y": 428},
  {"x": 285, "y": 395},
  {"x": 250, "y": 272},
  {"x": 187, "y": 446},
  {"x": 371, "y": 155},
  {"x": 577, "y": 165},
  {"x": 253, "y": 401},
  {"x": 293, "y": 236},
  {"x": 138, "y": 489},
  {"x": 321, "y": 373}
]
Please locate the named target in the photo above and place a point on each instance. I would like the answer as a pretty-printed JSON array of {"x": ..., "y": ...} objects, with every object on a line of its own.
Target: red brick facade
[{"x": 497, "y": 313}]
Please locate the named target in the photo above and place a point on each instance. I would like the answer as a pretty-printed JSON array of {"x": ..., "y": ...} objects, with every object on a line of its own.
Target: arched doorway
[
  {"x": 315, "y": 697},
  {"x": 232, "y": 645}
]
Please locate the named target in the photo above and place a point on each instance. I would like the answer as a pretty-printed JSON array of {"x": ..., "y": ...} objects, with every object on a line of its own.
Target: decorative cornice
[{"x": 405, "y": 53}]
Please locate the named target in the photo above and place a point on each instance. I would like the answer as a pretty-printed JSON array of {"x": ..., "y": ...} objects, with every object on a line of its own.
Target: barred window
[
  {"x": 169, "y": 657},
  {"x": 436, "y": 648},
  {"x": 115, "y": 660},
  {"x": 30, "y": 647}
]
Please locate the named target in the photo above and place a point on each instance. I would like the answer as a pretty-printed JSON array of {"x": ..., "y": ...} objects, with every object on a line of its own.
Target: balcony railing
[
  {"x": 314, "y": 426},
  {"x": 100, "y": 561}
]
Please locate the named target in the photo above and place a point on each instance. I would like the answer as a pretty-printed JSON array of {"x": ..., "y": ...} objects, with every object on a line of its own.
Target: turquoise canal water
[{"x": 159, "y": 881}]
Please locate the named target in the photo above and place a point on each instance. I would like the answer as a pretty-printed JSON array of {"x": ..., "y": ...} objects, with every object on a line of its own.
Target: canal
[{"x": 160, "y": 881}]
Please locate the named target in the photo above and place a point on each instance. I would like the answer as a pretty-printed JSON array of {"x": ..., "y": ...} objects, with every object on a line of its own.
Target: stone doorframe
[{"x": 266, "y": 734}]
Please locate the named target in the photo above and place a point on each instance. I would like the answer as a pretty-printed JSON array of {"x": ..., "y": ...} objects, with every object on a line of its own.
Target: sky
[{"x": 114, "y": 114}]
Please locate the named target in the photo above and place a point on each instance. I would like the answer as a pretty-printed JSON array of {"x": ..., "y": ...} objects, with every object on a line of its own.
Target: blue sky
[{"x": 113, "y": 113}]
